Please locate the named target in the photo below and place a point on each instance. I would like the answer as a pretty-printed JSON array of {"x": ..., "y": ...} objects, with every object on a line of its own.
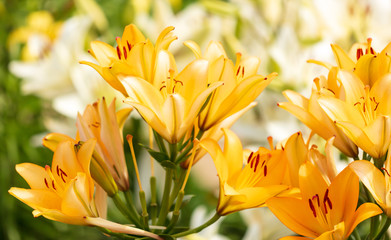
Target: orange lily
[
  {"x": 364, "y": 116},
  {"x": 241, "y": 83},
  {"x": 298, "y": 152},
  {"x": 133, "y": 56},
  {"x": 378, "y": 183},
  {"x": 105, "y": 124},
  {"x": 249, "y": 186},
  {"x": 325, "y": 211},
  {"x": 65, "y": 192}
]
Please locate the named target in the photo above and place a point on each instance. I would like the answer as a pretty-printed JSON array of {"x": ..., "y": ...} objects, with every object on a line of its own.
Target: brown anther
[
  {"x": 96, "y": 124},
  {"x": 237, "y": 72},
  {"x": 312, "y": 207},
  {"x": 372, "y": 51},
  {"x": 129, "y": 46},
  {"x": 265, "y": 171},
  {"x": 331, "y": 90},
  {"x": 242, "y": 71},
  {"x": 356, "y": 103},
  {"x": 263, "y": 163},
  {"x": 256, "y": 163},
  {"x": 265, "y": 78},
  {"x": 46, "y": 182},
  {"x": 316, "y": 196},
  {"x": 359, "y": 53},
  {"x": 125, "y": 52},
  {"x": 385, "y": 170},
  {"x": 327, "y": 200},
  {"x": 249, "y": 157},
  {"x": 119, "y": 53},
  {"x": 162, "y": 88},
  {"x": 54, "y": 187}
]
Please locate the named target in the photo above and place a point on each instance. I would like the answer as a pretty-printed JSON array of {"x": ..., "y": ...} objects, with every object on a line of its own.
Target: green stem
[
  {"x": 199, "y": 228},
  {"x": 153, "y": 204},
  {"x": 159, "y": 142},
  {"x": 125, "y": 211},
  {"x": 176, "y": 212},
  {"x": 164, "y": 208},
  {"x": 356, "y": 234},
  {"x": 114, "y": 234},
  {"x": 177, "y": 186},
  {"x": 384, "y": 228},
  {"x": 144, "y": 215},
  {"x": 129, "y": 201}
]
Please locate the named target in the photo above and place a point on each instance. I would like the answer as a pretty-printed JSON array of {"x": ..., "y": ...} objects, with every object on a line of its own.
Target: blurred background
[{"x": 42, "y": 85}]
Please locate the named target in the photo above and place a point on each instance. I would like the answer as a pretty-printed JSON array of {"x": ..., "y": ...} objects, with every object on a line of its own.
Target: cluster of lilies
[{"x": 189, "y": 111}]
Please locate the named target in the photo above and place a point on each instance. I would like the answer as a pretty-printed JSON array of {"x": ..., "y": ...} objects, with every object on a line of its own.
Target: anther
[
  {"x": 256, "y": 163},
  {"x": 54, "y": 187},
  {"x": 359, "y": 53},
  {"x": 385, "y": 170},
  {"x": 129, "y": 46},
  {"x": 237, "y": 72},
  {"x": 249, "y": 157},
  {"x": 46, "y": 182},
  {"x": 242, "y": 71},
  {"x": 312, "y": 207},
  {"x": 119, "y": 53},
  {"x": 327, "y": 200},
  {"x": 265, "y": 171},
  {"x": 125, "y": 52}
]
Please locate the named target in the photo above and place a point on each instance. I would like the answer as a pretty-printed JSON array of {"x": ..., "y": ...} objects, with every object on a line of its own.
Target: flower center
[
  {"x": 360, "y": 51},
  {"x": 367, "y": 106},
  {"x": 122, "y": 51},
  {"x": 317, "y": 207}
]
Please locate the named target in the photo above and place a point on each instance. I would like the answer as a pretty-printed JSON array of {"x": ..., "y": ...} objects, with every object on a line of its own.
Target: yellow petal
[
  {"x": 311, "y": 181},
  {"x": 104, "y": 53},
  {"x": 132, "y": 35},
  {"x": 57, "y": 215},
  {"x": 296, "y": 215},
  {"x": 372, "y": 178},
  {"x": 343, "y": 60},
  {"x": 75, "y": 201},
  {"x": 33, "y": 174},
  {"x": 52, "y": 140},
  {"x": 194, "y": 48},
  {"x": 37, "y": 198},
  {"x": 296, "y": 153},
  {"x": 364, "y": 212}
]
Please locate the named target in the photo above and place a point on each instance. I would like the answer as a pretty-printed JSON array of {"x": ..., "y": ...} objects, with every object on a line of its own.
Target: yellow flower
[
  {"x": 308, "y": 111},
  {"x": 65, "y": 192},
  {"x": 325, "y": 211},
  {"x": 378, "y": 184},
  {"x": 249, "y": 186},
  {"x": 241, "y": 83},
  {"x": 363, "y": 60},
  {"x": 172, "y": 108},
  {"x": 101, "y": 122},
  {"x": 364, "y": 116},
  {"x": 134, "y": 56},
  {"x": 298, "y": 152}
]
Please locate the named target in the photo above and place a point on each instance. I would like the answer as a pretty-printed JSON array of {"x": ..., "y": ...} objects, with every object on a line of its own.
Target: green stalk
[
  {"x": 175, "y": 214},
  {"x": 159, "y": 142},
  {"x": 153, "y": 204},
  {"x": 129, "y": 201},
  {"x": 125, "y": 211},
  {"x": 144, "y": 215},
  {"x": 164, "y": 208},
  {"x": 356, "y": 234},
  {"x": 177, "y": 186},
  {"x": 199, "y": 228},
  {"x": 383, "y": 229}
]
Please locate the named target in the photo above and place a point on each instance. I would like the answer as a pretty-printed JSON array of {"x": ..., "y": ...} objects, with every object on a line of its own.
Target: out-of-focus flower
[
  {"x": 65, "y": 192},
  {"x": 325, "y": 211},
  {"x": 308, "y": 111},
  {"x": 378, "y": 183},
  {"x": 241, "y": 83},
  {"x": 249, "y": 186},
  {"x": 102, "y": 122},
  {"x": 364, "y": 116}
]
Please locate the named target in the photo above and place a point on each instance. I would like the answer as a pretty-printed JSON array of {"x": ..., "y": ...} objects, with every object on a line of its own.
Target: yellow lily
[
  {"x": 241, "y": 83},
  {"x": 363, "y": 60},
  {"x": 101, "y": 122},
  {"x": 377, "y": 183},
  {"x": 134, "y": 56},
  {"x": 65, "y": 192},
  {"x": 364, "y": 116},
  {"x": 325, "y": 211},
  {"x": 249, "y": 186},
  {"x": 309, "y": 112},
  {"x": 172, "y": 108}
]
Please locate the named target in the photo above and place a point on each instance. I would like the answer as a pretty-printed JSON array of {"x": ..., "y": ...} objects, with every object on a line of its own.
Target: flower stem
[
  {"x": 383, "y": 229},
  {"x": 199, "y": 228},
  {"x": 164, "y": 208},
  {"x": 153, "y": 203},
  {"x": 125, "y": 211}
]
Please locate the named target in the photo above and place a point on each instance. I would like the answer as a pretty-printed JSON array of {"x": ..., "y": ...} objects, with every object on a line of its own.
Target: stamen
[
  {"x": 312, "y": 207},
  {"x": 265, "y": 171},
  {"x": 327, "y": 200},
  {"x": 249, "y": 157},
  {"x": 129, "y": 46},
  {"x": 270, "y": 141},
  {"x": 237, "y": 72},
  {"x": 385, "y": 170},
  {"x": 130, "y": 138},
  {"x": 54, "y": 187},
  {"x": 119, "y": 53},
  {"x": 256, "y": 163},
  {"x": 46, "y": 182},
  {"x": 125, "y": 52},
  {"x": 242, "y": 71},
  {"x": 162, "y": 88},
  {"x": 359, "y": 53},
  {"x": 316, "y": 196}
]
